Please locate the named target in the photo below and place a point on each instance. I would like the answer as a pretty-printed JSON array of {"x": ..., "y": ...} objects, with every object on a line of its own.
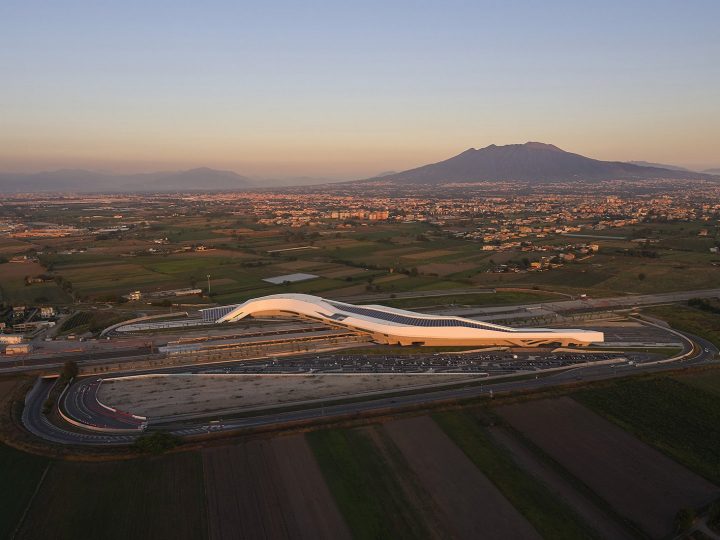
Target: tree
[
  {"x": 714, "y": 514},
  {"x": 70, "y": 370},
  {"x": 156, "y": 442},
  {"x": 684, "y": 519}
]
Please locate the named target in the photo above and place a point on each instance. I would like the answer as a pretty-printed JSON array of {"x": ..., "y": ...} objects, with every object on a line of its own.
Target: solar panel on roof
[
  {"x": 213, "y": 314},
  {"x": 410, "y": 321}
]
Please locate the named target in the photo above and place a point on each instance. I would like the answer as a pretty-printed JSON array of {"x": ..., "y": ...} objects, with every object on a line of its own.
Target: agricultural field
[
  {"x": 14, "y": 291},
  {"x": 636, "y": 481},
  {"x": 158, "y": 252},
  {"x": 463, "y": 494},
  {"x": 708, "y": 381},
  {"x": 681, "y": 420},
  {"x": 619, "y": 465},
  {"x": 20, "y": 473},
  {"x": 616, "y": 274},
  {"x": 362, "y": 481},
  {"x": 269, "y": 489},
  {"x": 150, "y": 498},
  {"x": 10, "y": 246},
  {"x": 552, "y": 517}
]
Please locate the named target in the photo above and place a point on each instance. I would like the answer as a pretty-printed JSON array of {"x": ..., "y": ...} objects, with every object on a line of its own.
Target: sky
[{"x": 332, "y": 88}]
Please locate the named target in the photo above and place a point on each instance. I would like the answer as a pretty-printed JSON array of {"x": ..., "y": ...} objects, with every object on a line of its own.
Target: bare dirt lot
[
  {"x": 269, "y": 489},
  {"x": 166, "y": 395},
  {"x": 639, "y": 482},
  {"x": 471, "y": 504}
]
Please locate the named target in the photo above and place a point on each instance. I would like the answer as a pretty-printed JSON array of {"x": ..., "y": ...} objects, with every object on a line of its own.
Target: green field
[
  {"x": 679, "y": 419},
  {"x": 708, "y": 381},
  {"x": 241, "y": 254},
  {"x": 701, "y": 323},
  {"x": 14, "y": 291},
  {"x": 92, "y": 321},
  {"x": 364, "y": 486},
  {"x": 551, "y": 517},
  {"x": 19, "y": 476}
]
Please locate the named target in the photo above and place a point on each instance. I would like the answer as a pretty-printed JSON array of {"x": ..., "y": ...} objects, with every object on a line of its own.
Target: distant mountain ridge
[
  {"x": 66, "y": 180},
  {"x": 530, "y": 162},
  {"x": 660, "y": 166}
]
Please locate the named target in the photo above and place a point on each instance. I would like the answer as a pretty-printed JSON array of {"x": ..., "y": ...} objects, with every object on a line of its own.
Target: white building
[{"x": 397, "y": 326}]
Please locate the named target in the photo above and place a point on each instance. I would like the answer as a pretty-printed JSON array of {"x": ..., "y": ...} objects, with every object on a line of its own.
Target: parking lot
[{"x": 494, "y": 363}]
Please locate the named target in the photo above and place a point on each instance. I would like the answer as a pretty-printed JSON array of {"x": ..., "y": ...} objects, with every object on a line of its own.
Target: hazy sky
[{"x": 340, "y": 88}]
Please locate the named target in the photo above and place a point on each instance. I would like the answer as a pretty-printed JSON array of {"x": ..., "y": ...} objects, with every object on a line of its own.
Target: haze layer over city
[{"x": 383, "y": 270}]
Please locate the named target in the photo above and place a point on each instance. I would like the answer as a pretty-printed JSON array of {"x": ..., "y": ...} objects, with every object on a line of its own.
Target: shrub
[
  {"x": 156, "y": 442},
  {"x": 684, "y": 519}
]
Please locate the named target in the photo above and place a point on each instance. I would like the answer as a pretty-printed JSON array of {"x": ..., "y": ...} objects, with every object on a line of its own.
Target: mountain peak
[
  {"x": 530, "y": 162},
  {"x": 542, "y": 146}
]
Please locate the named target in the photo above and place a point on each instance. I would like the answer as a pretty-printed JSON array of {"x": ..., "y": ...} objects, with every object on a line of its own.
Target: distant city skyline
[{"x": 321, "y": 89}]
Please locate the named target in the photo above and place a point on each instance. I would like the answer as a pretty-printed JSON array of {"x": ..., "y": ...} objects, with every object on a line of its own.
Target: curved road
[{"x": 37, "y": 423}]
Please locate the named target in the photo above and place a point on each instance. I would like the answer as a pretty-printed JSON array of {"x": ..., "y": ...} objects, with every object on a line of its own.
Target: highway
[
  {"x": 82, "y": 405},
  {"x": 576, "y": 305},
  {"x": 37, "y": 423},
  {"x": 629, "y": 300},
  {"x": 93, "y": 352}
]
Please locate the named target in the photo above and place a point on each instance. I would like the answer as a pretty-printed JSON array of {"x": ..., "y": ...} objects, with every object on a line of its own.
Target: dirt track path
[
  {"x": 639, "y": 482},
  {"x": 585, "y": 508},
  {"x": 269, "y": 489},
  {"x": 471, "y": 504}
]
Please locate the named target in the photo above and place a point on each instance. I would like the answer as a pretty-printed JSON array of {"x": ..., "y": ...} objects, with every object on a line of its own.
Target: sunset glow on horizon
[{"x": 333, "y": 90}]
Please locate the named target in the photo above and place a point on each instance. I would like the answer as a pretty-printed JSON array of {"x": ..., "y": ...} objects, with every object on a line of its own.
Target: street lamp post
[{"x": 208, "y": 277}]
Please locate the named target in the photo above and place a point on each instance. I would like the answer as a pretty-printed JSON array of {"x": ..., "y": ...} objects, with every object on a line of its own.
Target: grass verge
[
  {"x": 694, "y": 321},
  {"x": 364, "y": 486}
]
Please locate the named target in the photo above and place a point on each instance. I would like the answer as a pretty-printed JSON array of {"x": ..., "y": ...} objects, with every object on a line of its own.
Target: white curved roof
[{"x": 384, "y": 320}]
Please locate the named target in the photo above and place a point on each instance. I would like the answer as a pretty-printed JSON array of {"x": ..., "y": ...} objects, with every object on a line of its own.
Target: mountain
[
  {"x": 712, "y": 171},
  {"x": 529, "y": 162},
  {"x": 659, "y": 166},
  {"x": 201, "y": 179}
]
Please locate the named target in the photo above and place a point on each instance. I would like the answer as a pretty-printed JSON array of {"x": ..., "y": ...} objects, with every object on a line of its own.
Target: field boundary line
[{"x": 29, "y": 504}]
